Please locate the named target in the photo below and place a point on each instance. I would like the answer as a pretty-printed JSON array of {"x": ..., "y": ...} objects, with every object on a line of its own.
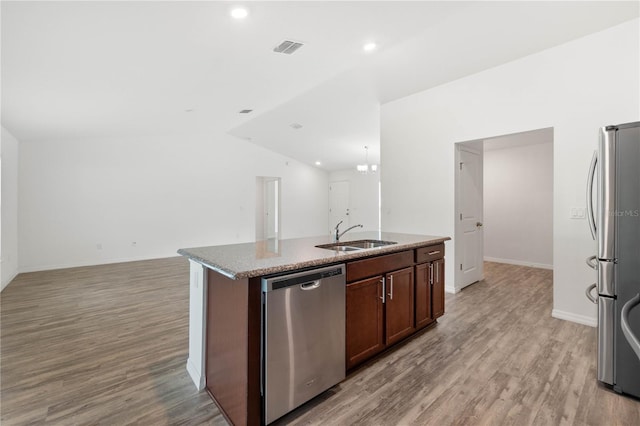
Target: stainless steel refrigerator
[{"x": 614, "y": 218}]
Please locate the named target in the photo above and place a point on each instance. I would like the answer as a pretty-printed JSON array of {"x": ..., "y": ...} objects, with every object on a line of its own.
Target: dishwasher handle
[{"x": 310, "y": 286}]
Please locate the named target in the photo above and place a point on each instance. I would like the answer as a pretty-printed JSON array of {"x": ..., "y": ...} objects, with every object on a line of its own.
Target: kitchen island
[{"x": 225, "y": 304}]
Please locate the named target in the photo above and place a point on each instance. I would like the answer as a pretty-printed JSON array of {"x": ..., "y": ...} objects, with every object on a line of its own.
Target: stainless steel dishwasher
[{"x": 303, "y": 337}]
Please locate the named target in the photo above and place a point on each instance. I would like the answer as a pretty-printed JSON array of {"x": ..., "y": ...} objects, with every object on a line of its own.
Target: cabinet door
[
  {"x": 437, "y": 290},
  {"x": 423, "y": 295},
  {"x": 399, "y": 309},
  {"x": 364, "y": 318}
]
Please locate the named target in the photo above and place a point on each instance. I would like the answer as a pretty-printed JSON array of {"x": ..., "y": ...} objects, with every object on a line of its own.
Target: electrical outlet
[
  {"x": 134, "y": 244},
  {"x": 99, "y": 246}
]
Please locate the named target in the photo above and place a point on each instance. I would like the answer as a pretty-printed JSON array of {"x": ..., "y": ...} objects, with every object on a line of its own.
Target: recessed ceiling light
[
  {"x": 370, "y": 47},
  {"x": 318, "y": 163},
  {"x": 239, "y": 13}
]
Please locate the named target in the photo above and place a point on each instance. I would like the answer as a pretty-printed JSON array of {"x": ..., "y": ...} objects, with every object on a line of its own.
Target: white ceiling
[{"x": 109, "y": 69}]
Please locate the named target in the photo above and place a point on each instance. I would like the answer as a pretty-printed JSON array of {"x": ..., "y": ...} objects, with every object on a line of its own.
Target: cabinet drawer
[
  {"x": 378, "y": 265},
  {"x": 429, "y": 253}
]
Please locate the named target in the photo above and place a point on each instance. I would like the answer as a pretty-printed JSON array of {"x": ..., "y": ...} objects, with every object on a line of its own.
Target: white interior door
[
  {"x": 271, "y": 209},
  {"x": 470, "y": 218},
  {"x": 338, "y": 204},
  {"x": 268, "y": 226}
]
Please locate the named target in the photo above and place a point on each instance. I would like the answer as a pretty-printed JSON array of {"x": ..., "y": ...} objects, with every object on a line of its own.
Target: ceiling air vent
[
  {"x": 245, "y": 111},
  {"x": 287, "y": 47}
]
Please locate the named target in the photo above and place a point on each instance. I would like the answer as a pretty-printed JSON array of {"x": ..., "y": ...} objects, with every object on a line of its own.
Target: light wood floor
[
  {"x": 100, "y": 345},
  {"x": 108, "y": 345}
]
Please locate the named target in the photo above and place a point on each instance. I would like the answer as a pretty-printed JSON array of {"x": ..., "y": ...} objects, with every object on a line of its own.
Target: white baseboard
[
  {"x": 451, "y": 289},
  {"x": 12, "y": 273},
  {"x": 196, "y": 376},
  {"x": 580, "y": 319},
  {"x": 518, "y": 262},
  {"x": 91, "y": 263},
  {"x": 6, "y": 283}
]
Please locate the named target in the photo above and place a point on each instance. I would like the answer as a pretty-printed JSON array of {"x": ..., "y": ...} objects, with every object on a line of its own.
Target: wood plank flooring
[
  {"x": 108, "y": 345},
  {"x": 496, "y": 357},
  {"x": 100, "y": 345}
]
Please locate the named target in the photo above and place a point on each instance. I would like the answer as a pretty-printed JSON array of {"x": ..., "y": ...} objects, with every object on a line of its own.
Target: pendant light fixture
[{"x": 366, "y": 168}]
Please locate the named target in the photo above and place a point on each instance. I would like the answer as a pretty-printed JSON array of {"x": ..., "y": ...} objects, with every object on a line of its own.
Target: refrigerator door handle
[
  {"x": 588, "y": 293},
  {"x": 606, "y": 332},
  {"x": 590, "y": 179},
  {"x": 633, "y": 340},
  {"x": 592, "y": 262}
]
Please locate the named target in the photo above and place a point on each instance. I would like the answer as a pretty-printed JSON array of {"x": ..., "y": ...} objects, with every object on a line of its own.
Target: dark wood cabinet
[
  {"x": 412, "y": 282},
  {"x": 429, "y": 285},
  {"x": 423, "y": 295},
  {"x": 437, "y": 289},
  {"x": 429, "y": 253},
  {"x": 365, "y": 320},
  {"x": 399, "y": 305},
  {"x": 379, "y": 265}
]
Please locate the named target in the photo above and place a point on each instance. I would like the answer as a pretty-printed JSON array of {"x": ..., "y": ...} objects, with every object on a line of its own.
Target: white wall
[
  {"x": 363, "y": 197},
  {"x": 163, "y": 193},
  {"x": 518, "y": 204},
  {"x": 574, "y": 88},
  {"x": 9, "y": 149}
]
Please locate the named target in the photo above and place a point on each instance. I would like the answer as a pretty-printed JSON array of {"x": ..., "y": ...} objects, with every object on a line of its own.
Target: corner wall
[
  {"x": 9, "y": 222},
  {"x": 574, "y": 88},
  {"x": 86, "y": 202}
]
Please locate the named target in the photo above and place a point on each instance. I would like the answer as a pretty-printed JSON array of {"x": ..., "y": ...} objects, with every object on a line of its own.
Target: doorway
[
  {"x": 339, "y": 204},
  {"x": 469, "y": 214},
  {"x": 268, "y": 208},
  {"x": 503, "y": 203}
]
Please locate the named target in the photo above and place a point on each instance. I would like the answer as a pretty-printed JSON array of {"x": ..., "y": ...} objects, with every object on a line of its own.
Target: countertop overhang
[{"x": 248, "y": 260}]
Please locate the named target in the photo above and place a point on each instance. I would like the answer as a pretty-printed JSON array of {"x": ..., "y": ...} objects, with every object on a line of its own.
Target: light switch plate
[{"x": 577, "y": 213}]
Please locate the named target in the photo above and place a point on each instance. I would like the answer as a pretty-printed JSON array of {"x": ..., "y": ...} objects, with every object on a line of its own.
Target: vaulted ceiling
[{"x": 86, "y": 70}]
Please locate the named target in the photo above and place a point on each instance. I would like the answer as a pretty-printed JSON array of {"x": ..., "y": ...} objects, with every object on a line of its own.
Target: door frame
[
  {"x": 348, "y": 212},
  {"x": 475, "y": 147}
]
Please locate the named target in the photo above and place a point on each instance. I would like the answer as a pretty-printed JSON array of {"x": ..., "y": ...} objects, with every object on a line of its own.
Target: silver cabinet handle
[
  {"x": 591, "y": 263},
  {"x": 588, "y": 293},
  {"x": 391, "y": 287},
  {"x": 437, "y": 272},
  {"x": 431, "y": 273},
  {"x": 633, "y": 340},
  {"x": 384, "y": 289},
  {"x": 592, "y": 173},
  {"x": 431, "y": 253}
]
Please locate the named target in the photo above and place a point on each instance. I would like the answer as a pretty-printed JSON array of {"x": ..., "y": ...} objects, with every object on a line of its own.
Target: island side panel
[
  {"x": 254, "y": 331},
  {"x": 197, "y": 324},
  {"x": 233, "y": 347}
]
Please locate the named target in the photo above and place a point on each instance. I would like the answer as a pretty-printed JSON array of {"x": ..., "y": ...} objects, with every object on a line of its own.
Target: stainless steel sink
[
  {"x": 366, "y": 244},
  {"x": 342, "y": 248},
  {"x": 355, "y": 245}
]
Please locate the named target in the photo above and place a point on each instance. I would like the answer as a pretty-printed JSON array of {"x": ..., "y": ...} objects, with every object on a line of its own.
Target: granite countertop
[{"x": 238, "y": 261}]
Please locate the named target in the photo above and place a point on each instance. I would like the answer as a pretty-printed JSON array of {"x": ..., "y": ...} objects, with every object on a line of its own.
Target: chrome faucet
[{"x": 339, "y": 234}]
